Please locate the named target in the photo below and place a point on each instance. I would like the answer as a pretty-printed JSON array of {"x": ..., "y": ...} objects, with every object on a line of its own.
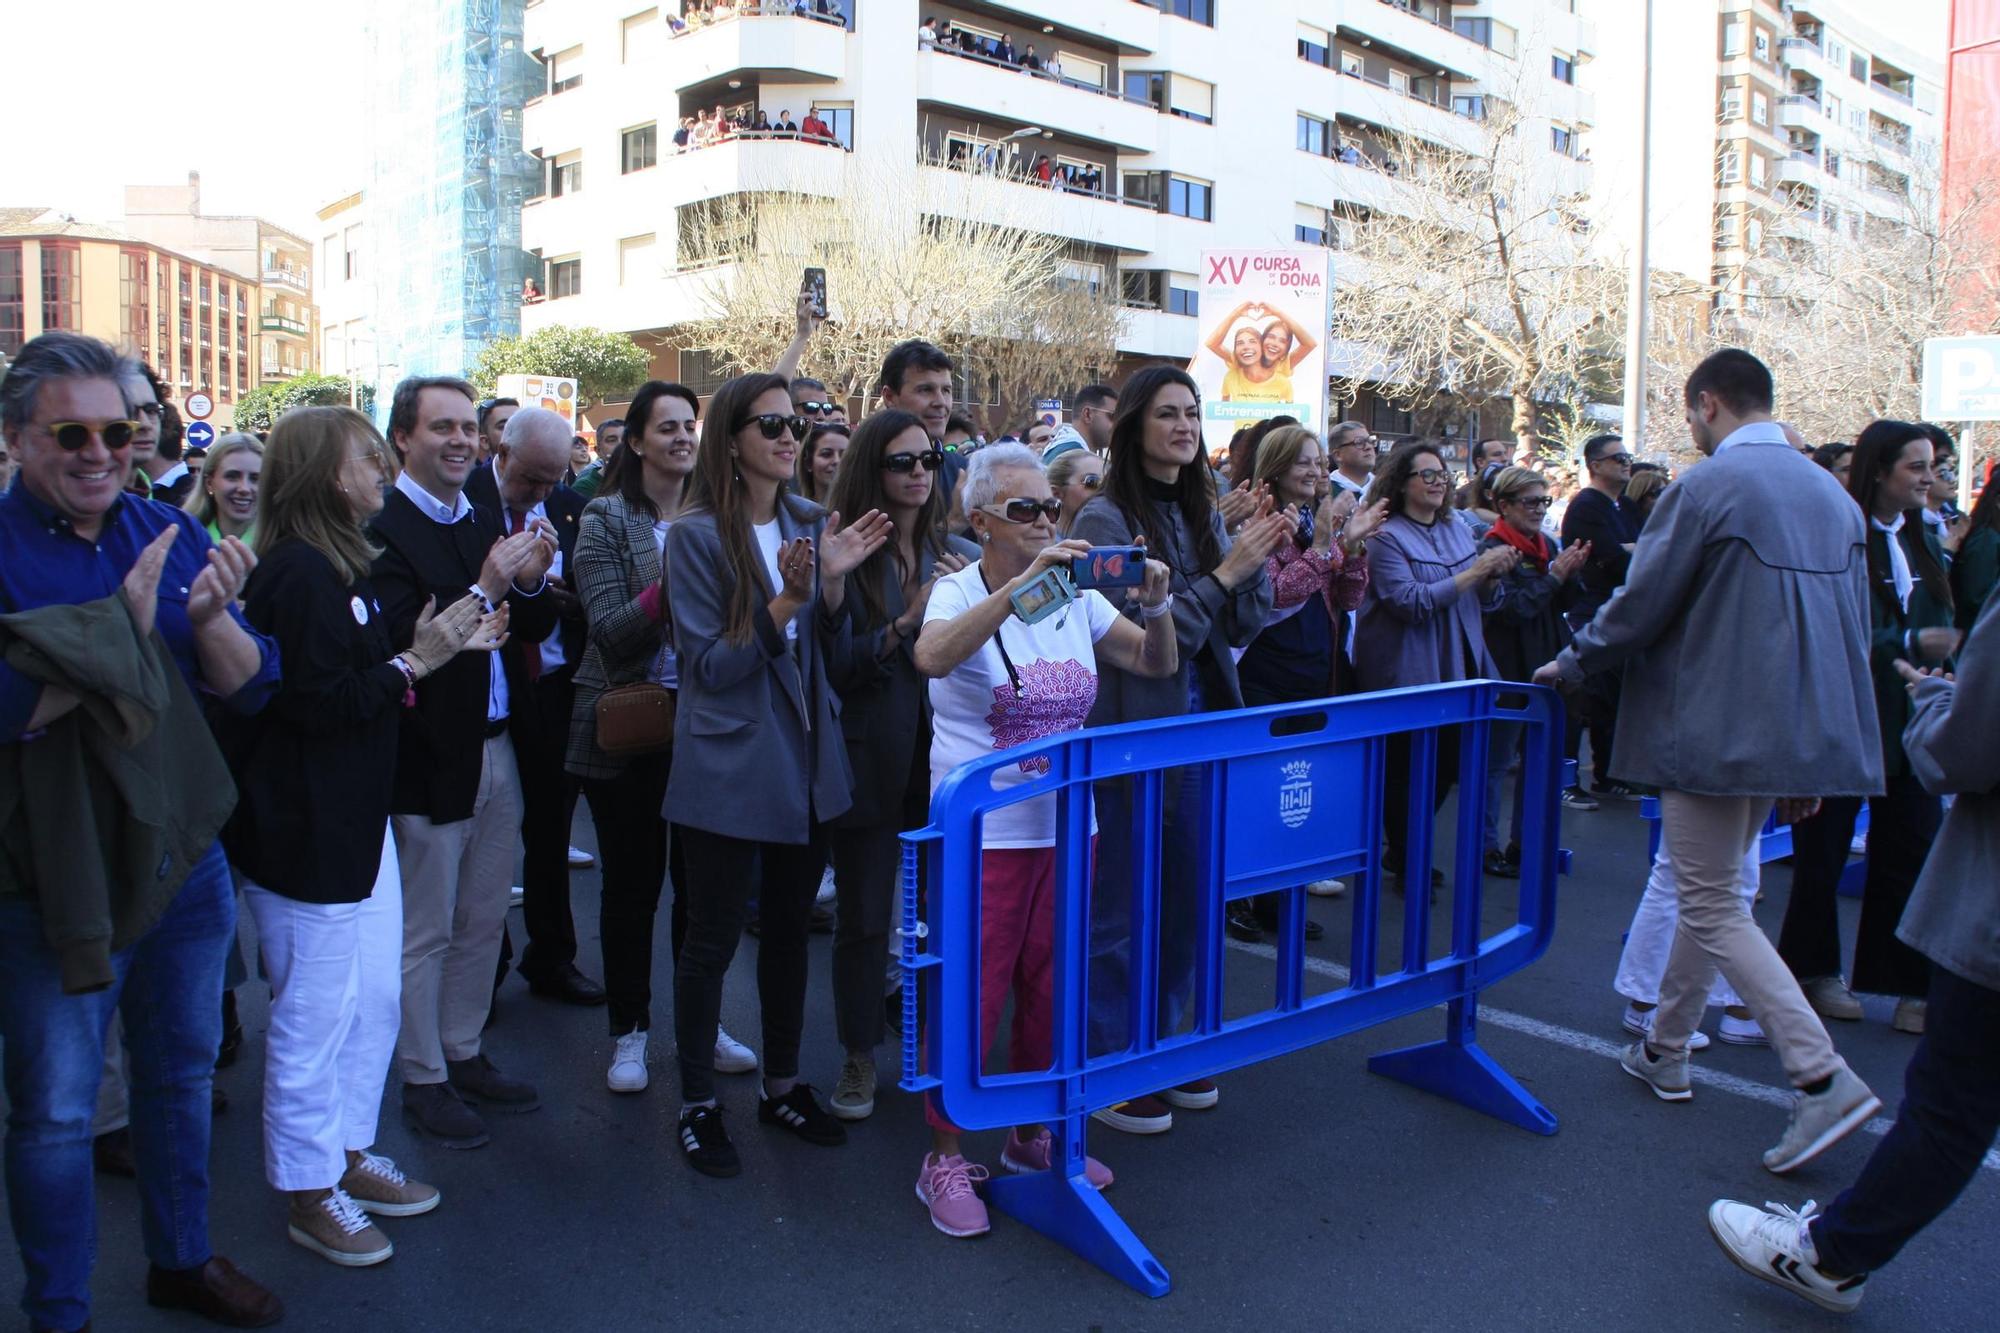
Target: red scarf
[{"x": 1535, "y": 549}]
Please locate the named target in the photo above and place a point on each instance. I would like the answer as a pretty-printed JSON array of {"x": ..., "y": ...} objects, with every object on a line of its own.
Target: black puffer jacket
[{"x": 1527, "y": 629}]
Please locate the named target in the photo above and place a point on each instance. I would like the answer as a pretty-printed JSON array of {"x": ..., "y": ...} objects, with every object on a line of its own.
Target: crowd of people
[
  {"x": 721, "y": 124},
  {"x": 940, "y": 34},
  {"x": 407, "y": 655}
]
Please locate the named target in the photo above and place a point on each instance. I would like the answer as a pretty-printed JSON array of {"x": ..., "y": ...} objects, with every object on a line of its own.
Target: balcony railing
[
  {"x": 986, "y": 57},
  {"x": 1441, "y": 19},
  {"x": 1894, "y": 94},
  {"x": 287, "y": 277},
  {"x": 1895, "y": 145},
  {"x": 1800, "y": 99},
  {"x": 698, "y": 18},
  {"x": 1799, "y": 45},
  {"x": 1387, "y": 87},
  {"x": 280, "y": 324}
]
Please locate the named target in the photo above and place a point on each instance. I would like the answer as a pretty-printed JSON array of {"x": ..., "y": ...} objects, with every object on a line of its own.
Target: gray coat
[
  {"x": 616, "y": 561},
  {"x": 757, "y": 741},
  {"x": 1744, "y": 625},
  {"x": 1416, "y": 627},
  {"x": 1953, "y": 916},
  {"x": 1206, "y": 615}
]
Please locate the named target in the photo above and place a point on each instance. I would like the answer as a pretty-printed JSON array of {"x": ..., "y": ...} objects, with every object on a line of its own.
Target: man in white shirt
[{"x": 1352, "y": 446}]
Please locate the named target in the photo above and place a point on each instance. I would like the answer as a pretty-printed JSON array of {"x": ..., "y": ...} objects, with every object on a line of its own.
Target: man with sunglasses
[
  {"x": 1595, "y": 515},
  {"x": 73, "y": 537},
  {"x": 811, "y": 401}
]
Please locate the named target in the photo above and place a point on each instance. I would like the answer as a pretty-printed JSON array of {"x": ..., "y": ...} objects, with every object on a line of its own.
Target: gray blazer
[
  {"x": 757, "y": 740},
  {"x": 616, "y": 561},
  {"x": 1745, "y": 627},
  {"x": 1953, "y": 743},
  {"x": 1416, "y": 627},
  {"x": 885, "y": 702},
  {"x": 1206, "y": 615}
]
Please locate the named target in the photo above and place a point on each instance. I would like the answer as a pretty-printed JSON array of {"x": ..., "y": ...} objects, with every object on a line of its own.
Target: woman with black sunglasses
[
  {"x": 756, "y": 582},
  {"x": 892, "y": 466},
  {"x": 1159, "y": 492}
]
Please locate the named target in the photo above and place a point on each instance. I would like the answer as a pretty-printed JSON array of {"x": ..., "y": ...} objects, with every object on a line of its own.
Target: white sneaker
[
  {"x": 732, "y": 1056},
  {"x": 1327, "y": 888},
  {"x": 1778, "y": 1247},
  {"x": 1640, "y": 1024},
  {"x": 1743, "y": 1032},
  {"x": 1820, "y": 1120},
  {"x": 628, "y": 1064},
  {"x": 579, "y": 859},
  {"x": 825, "y": 894}
]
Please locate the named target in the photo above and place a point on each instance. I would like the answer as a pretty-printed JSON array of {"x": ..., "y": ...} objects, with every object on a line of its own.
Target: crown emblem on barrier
[{"x": 1298, "y": 769}]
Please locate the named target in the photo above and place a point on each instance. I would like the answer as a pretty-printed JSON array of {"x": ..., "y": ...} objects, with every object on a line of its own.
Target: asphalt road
[{"x": 1316, "y": 1195}]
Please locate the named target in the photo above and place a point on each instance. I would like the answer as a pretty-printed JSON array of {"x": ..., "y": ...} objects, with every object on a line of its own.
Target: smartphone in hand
[
  {"x": 814, "y": 285},
  {"x": 1109, "y": 567}
]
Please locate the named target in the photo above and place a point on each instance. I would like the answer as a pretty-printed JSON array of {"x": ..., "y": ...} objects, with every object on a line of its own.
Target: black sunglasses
[
  {"x": 930, "y": 460},
  {"x": 1428, "y": 475},
  {"x": 1026, "y": 511},
  {"x": 823, "y": 409},
  {"x": 1622, "y": 459},
  {"x": 74, "y": 435},
  {"x": 773, "y": 424}
]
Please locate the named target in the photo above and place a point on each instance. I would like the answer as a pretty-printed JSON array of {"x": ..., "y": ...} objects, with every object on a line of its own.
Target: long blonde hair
[
  {"x": 301, "y": 496},
  {"x": 201, "y": 501}
]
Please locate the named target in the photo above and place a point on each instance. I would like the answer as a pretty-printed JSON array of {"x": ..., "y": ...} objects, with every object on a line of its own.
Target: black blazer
[
  {"x": 313, "y": 770},
  {"x": 177, "y": 493},
  {"x": 565, "y": 511},
  {"x": 443, "y": 739}
]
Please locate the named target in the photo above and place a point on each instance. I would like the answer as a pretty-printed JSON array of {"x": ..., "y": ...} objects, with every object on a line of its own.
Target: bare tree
[{"x": 906, "y": 255}]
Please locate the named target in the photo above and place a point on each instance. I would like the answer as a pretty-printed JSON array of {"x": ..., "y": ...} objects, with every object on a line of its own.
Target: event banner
[{"x": 1263, "y": 352}]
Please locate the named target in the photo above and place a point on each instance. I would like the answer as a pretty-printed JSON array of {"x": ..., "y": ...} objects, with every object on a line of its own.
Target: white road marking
[{"x": 1593, "y": 1045}]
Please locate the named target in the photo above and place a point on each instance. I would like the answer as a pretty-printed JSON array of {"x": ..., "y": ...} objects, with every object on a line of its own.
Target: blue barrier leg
[
  {"x": 1457, "y": 1068},
  {"x": 1067, "y": 1210}
]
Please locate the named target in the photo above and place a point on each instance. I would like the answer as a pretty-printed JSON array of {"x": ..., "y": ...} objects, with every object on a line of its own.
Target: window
[
  {"x": 1836, "y": 54},
  {"x": 638, "y": 148},
  {"x": 1562, "y": 140},
  {"x": 641, "y": 36},
  {"x": 1143, "y": 187},
  {"x": 1183, "y": 301},
  {"x": 13, "y": 300},
  {"x": 1761, "y": 44},
  {"x": 351, "y": 257},
  {"x": 566, "y": 174},
  {"x": 1350, "y": 64},
  {"x": 1080, "y": 275},
  {"x": 1472, "y": 106},
  {"x": 703, "y": 370},
  {"x": 1385, "y": 419},
  {"x": 1315, "y": 136},
  {"x": 1190, "y": 199},
  {"x": 1192, "y": 98},
  {"x": 1080, "y": 68},
  {"x": 1564, "y": 69},
  {"x": 62, "y": 286},
  {"x": 1757, "y": 169},
  {"x": 1753, "y": 233},
  {"x": 1146, "y": 85},
  {"x": 1306, "y": 235},
  {"x": 1732, "y": 39},
  {"x": 1760, "y": 109},
  {"x": 565, "y": 70},
  {"x": 1833, "y": 164},
  {"x": 1857, "y": 67},
  {"x": 1489, "y": 33},
  {"x": 1730, "y": 170},
  {"x": 1399, "y": 82},
  {"x": 635, "y": 260},
  {"x": 1732, "y": 104},
  {"x": 839, "y": 117},
  {"x": 1195, "y": 11},
  {"x": 1832, "y": 105},
  {"x": 135, "y": 291},
  {"x": 329, "y": 253},
  {"x": 1315, "y": 47},
  {"x": 565, "y": 278}
]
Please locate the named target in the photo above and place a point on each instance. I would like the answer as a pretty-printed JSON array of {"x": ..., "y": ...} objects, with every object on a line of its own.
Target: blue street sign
[{"x": 200, "y": 435}]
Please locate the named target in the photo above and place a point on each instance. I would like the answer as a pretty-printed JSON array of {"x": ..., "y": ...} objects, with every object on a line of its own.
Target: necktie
[{"x": 531, "y": 653}]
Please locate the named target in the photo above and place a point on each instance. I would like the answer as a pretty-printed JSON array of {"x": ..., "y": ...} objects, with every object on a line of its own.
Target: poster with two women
[{"x": 1264, "y": 328}]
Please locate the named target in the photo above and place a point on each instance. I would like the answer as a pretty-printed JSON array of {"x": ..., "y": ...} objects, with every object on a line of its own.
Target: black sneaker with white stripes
[
  {"x": 706, "y": 1143},
  {"x": 799, "y": 1111}
]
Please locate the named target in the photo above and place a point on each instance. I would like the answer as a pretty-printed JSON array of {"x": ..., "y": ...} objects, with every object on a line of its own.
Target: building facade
[
  {"x": 344, "y": 290},
  {"x": 1197, "y": 125}
]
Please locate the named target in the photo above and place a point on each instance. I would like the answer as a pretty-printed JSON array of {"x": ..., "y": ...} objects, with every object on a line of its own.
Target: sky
[{"x": 259, "y": 96}]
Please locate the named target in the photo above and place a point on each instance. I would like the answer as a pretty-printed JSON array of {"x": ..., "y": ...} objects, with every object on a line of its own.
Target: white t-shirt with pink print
[{"x": 977, "y": 709}]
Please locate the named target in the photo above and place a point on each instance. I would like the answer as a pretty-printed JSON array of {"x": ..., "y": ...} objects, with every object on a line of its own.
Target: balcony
[
  {"x": 991, "y": 88},
  {"x": 1801, "y": 168},
  {"x": 1423, "y": 42},
  {"x": 1889, "y": 145},
  {"x": 293, "y": 279},
  {"x": 278, "y": 372},
  {"x": 1128, "y": 27},
  {"x": 280, "y": 324},
  {"x": 1798, "y": 111},
  {"x": 1381, "y": 105},
  {"x": 1805, "y": 53},
  {"x": 1105, "y": 221},
  {"x": 791, "y": 49}
]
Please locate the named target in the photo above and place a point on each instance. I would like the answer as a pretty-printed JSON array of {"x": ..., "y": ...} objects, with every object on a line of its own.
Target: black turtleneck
[{"x": 1164, "y": 491}]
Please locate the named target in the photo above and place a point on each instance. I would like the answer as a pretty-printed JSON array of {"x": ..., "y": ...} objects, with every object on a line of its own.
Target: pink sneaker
[
  {"x": 1035, "y": 1155},
  {"x": 946, "y": 1185}
]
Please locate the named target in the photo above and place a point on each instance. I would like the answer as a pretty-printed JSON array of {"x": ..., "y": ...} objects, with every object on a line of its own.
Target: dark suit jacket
[
  {"x": 565, "y": 510},
  {"x": 177, "y": 493},
  {"x": 443, "y": 739}
]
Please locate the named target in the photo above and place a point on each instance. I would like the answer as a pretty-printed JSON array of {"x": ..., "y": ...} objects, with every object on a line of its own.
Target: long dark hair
[
  {"x": 1876, "y": 450},
  {"x": 1125, "y": 484},
  {"x": 1985, "y": 511},
  {"x": 625, "y": 470},
  {"x": 1392, "y": 479},
  {"x": 717, "y": 487},
  {"x": 811, "y": 447},
  {"x": 857, "y": 488}
]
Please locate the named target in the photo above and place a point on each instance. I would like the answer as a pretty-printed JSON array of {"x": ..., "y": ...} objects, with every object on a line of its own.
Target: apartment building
[
  {"x": 1183, "y": 124},
  {"x": 199, "y": 324},
  {"x": 276, "y": 262},
  {"x": 344, "y": 289},
  {"x": 1823, "y": 114}
]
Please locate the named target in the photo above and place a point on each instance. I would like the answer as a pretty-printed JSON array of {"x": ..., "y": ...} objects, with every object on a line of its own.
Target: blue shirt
[{"x": 44, "y": 563}]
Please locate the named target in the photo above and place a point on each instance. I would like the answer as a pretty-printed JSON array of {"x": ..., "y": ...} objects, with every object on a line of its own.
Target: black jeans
[
  {"x": 867, "y": 872},
  {"x": 1902, "y": 823},
  {"x": 723, "y": 875},
  {"x": 1948, "y": 1121},
  {"x": 632, "y": 851},
  {"x": 548, "y": 804},
  {"x": 1595, "y": 709},
  {"x": 1396, "y": 788}
]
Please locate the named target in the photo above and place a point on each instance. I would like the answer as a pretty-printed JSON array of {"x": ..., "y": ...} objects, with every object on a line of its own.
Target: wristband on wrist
[
  {"x": 1155, "y": 612},
  {"x": 402, "y": 663}
]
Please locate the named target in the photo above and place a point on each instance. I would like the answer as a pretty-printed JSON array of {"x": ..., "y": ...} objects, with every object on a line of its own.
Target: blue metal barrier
[
  {"x": 1774, "y": 843},
  {"x": 1287, "y": 795}
]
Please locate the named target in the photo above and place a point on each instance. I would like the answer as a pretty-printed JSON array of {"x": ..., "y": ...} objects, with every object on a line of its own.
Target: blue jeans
[
  {"x": 169, "y": 992},
  {"x": 1503, "y": 741},
  {"x": 1111, "y": 901}
]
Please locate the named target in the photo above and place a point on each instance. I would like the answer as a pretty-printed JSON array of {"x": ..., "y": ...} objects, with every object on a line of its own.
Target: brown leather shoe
[{"x": 218, "y": 1291}]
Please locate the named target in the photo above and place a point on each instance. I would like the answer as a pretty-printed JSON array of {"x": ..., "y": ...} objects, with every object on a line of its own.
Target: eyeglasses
[
  {"x": 1622, "y": 460},
  {"x": 821, "y": 409},
  {"x": 1430, "y": 476},
  {"x": 773, "y": 424},
  {"x": 1369, "y": 440},
  {"x": 930, "y": 460},
  {"x": 1539, "y": 502},
  {"x": 73, "y": 435},
  {"x": 148, "y": 410},
  {"x": 1026, "y": 511}
]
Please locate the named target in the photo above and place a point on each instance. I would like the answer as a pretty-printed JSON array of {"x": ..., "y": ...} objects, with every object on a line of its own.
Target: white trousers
[
  {"x": 336, "y": 972},
  {"x": 1651, "y": 937}
]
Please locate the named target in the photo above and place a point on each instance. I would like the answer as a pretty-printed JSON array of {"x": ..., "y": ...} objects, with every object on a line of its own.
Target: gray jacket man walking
[{"x": 1745, "y": 622}]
